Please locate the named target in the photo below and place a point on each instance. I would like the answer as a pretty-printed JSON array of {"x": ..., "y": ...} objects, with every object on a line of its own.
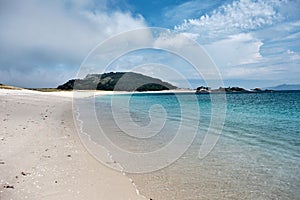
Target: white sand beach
[{"x": 41, "y": 156}]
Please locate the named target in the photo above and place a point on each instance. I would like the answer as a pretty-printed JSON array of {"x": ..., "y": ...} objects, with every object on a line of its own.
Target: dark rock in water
[
  {"x": 261, "y": 90},
  {"x": 269, "y": 90},
  {"x": 235, "y": 89},
  {"x": 119, "y": 81},
  {"x": 230, "y": 90},
  {"x": 257, "y": 90},
  {"x": 202, "y": 89}
]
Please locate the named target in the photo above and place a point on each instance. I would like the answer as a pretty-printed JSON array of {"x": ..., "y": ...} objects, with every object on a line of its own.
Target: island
[
  {"x": 206, "y": 90},
  {"x": 117, "y": 81}
]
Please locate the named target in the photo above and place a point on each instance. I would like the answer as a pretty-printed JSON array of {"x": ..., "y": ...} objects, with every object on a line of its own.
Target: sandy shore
[{"x": 41, "y": 156}]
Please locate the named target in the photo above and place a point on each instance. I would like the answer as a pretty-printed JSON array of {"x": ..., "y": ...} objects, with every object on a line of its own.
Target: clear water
[{"x": 256, "y": 157}]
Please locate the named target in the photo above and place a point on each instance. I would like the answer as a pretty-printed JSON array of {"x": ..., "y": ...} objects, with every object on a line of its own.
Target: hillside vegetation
[{"x": 118, "y": 81}]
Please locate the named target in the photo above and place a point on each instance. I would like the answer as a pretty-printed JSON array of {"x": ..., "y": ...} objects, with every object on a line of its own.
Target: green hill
[{"x": 118, "y": 81}]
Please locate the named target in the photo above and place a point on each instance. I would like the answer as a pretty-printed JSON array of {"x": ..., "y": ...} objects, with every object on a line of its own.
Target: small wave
[{"x": 120, "y": 168}]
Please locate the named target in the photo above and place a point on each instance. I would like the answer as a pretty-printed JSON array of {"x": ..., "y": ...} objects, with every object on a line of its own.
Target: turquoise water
[{"x": 256, "y": 157}]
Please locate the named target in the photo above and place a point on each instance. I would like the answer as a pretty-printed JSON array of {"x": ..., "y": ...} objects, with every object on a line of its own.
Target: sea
[{"x": 202, "y": 146}]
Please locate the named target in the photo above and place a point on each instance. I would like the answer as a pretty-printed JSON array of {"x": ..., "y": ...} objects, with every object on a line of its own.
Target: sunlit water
[{"x": 256, "y": 157}]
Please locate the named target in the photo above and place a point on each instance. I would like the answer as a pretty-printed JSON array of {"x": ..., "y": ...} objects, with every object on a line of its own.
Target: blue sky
[{"x": 254, "y": 43}]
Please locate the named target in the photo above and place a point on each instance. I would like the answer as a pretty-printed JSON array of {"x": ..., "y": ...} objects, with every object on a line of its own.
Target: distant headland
[{"x": 285, "y": 87}]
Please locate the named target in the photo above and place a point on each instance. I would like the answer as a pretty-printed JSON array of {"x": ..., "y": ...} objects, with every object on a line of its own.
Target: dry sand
[{"x": 41, "y": 156}]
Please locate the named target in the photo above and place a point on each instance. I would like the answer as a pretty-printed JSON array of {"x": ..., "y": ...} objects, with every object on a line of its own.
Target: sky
[{"x": 253, "y": 43}]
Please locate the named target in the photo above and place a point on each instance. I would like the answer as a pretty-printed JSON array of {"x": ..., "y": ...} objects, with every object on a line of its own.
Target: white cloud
[
  {"x": 264, "y": 72},
  {"x": 246, "y": 72},
  {"x": 176, "y": 14},
  {"x": 173, "y": 40},
  {"x": 240, "y": 16},
  {"x": 249, "y": 38},
  {"x": 45, "y": 34},
  {"x": 293, "y": 55},
  {"x": 235, "y": 50}
]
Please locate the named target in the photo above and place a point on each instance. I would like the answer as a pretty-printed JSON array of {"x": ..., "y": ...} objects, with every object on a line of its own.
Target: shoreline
[
  {"x": 104, "y": 153},
  {"x": 42, "y": 156}
]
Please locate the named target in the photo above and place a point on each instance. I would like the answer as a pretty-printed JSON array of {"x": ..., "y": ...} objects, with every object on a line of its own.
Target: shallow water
[{"x": 256, "y": 157}]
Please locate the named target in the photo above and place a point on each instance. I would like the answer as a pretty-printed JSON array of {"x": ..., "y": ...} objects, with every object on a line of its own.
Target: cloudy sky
[{"x": 252, "y": 42}]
